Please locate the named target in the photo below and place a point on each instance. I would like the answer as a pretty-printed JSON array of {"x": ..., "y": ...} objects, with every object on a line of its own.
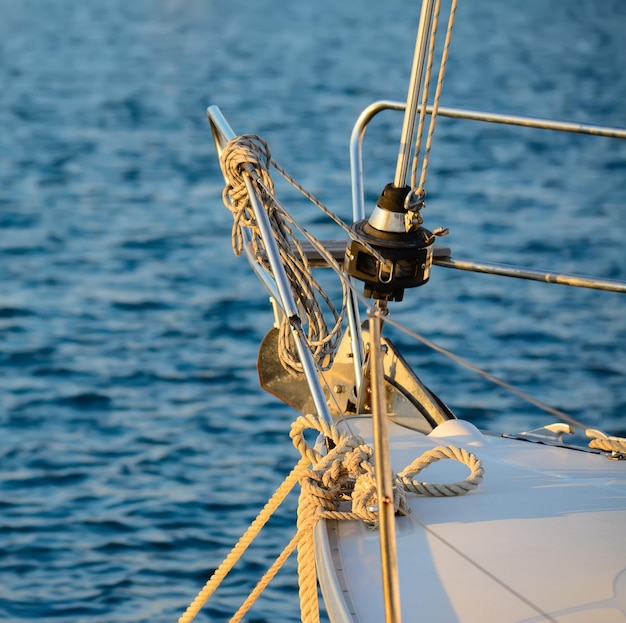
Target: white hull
[{"x": 542, "y": 535}]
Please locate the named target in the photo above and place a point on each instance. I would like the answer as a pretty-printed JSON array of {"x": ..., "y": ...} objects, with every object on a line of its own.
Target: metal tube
[
  {"x": 356, "y": 339},
  {"x": 279, "y": 285},
  {"x": 519, "y": 272},
  {"x": 288, "y": 303},
  {"x": 220, "y": 129},
  {"x": 533, "y": 122},
  {"x": 358, "y": 134},
  {"x": 273, "y": 255},
  {"x": 539, "y": 123},
  {"x": 415, "y": 87},
  {"x": 384, "y": 484},
  {"x": 356, "y": 153}
]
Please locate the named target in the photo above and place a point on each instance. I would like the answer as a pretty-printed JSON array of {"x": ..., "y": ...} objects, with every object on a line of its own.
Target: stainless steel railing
[{"x": 358, "y": 193}]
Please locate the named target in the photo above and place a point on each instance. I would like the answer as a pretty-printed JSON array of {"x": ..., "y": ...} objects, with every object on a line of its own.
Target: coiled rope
[
  {"x": 248, "y": 156},
  {"x": 340, "y": 485}
]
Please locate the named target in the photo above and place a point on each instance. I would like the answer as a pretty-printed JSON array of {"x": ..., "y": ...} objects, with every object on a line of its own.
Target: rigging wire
[
  {"x": 425, "y": 91},
  {"x": 436, "y": 100},
  {"x": 557, "y": 413}
]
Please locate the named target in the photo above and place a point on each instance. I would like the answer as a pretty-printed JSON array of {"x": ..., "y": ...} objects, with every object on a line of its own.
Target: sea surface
[{"x": 135, "y": 444}]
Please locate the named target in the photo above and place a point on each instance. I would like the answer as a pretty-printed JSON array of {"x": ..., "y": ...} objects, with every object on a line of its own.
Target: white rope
[
  {"x": 601, "y": 441},
  {"x": 347, "y": 473},
  {"x": 250, "y": 156}
]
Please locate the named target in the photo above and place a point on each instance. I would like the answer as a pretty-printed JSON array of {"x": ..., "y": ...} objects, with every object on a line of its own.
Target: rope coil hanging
[{"x": 249, "y": 156}]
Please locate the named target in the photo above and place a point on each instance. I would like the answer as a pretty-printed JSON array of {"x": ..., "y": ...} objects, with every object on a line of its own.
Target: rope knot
[
  {"x": 245, "y": 156},
  {"x": 601, "y": 441},
  {"x": 247, "y": 149},
  {"x": 342, "y": 482},
  {"x": 365, "y": 499}
]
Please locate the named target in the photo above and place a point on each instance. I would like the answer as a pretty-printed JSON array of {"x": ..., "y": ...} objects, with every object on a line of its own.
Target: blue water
[{"x": 135, "y": 446}]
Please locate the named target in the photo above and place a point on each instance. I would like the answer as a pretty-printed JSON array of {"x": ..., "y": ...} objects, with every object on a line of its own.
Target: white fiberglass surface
[{"x": 541, "y": 537}]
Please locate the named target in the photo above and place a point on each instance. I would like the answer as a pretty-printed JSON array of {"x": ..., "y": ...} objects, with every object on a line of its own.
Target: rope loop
[
  {"x": 313, "y": 422},
  {"x": 475, "y": 477}
]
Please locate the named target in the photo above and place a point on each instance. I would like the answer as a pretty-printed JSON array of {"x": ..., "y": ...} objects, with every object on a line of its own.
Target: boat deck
[{"x": 519, "y": 548}]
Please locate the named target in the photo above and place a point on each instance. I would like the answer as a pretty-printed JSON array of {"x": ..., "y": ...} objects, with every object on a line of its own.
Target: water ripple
[{"x": 135, "y": 445}]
